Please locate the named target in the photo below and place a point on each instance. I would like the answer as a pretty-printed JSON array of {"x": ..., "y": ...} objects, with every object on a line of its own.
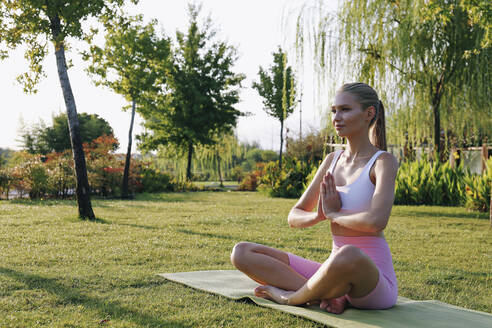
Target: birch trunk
[
  {"x": 82, "y": 189},
  {"x": 126, "y": 174}
]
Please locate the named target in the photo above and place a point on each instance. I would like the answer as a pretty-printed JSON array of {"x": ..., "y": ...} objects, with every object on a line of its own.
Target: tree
[
  {"x": 33, "y": 23},
  {"x": 430, "y": 59},
  {"x": 42, "y": 139},
  {"x": 127, "y": 64},
  {"x": 196, "y": 106},
  {"x": 219, "y": 154},
  {"x": 277, "y": 87}
]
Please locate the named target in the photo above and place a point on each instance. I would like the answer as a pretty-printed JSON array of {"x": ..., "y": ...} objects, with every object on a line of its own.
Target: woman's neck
[{"x": 358, "y": 148}]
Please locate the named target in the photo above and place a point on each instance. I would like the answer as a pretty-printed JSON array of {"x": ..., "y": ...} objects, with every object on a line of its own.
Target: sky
[{"x": 255, "y": 27}]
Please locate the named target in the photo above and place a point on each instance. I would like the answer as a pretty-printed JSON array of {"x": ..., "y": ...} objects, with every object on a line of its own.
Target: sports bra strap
[
  {"x": 373, "y": 159},
  {"x": 335, "y": 160},
  {"x": 367, "y": 166}
]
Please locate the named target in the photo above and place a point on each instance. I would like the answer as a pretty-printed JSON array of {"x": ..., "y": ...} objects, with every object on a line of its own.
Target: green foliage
[
  {"x": 277, "y": 87},
  {"x": 237, "y": 174},
  {"x": 309, "y": 149},
  {"x": 430, "y": 61},
  {"x": 289, "y": 182},
  {"x": 153, "y": 180},
  {"x": 130, "y": 62},
  {"x": 40, "y": 139},
  {"x": 33, "y": 23},
  {"x": 425, "y": 183},
  {"x": 478, "y": 190},
  {"x": 196, "y": 106}
]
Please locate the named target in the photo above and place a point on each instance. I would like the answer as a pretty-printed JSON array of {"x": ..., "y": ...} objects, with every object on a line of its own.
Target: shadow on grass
[
  {"x": 171, "y": 197},
  {"x": 414, "y": 210},
  {"x": 72, "y": 296},
  {"x": 43, "y": 202},
  {"x": 104, "y": 221},
  {"x": 206, "y": 234}
]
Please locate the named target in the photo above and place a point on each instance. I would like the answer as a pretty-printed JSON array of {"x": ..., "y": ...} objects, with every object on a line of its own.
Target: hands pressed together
[{"x": 329, "y": 199}]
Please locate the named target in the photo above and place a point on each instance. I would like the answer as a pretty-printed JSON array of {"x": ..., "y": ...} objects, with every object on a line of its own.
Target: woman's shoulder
[
  {"x": 386, "y": 161},
  {"x": 329, "y": 158}
]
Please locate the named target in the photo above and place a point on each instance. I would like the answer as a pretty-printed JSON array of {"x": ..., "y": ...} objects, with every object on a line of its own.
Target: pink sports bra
[{"x": 357, "y": 195}]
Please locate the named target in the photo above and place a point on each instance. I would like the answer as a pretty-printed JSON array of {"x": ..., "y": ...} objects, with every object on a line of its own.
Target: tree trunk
[
  {"x": 281, "y": 144},
  {"x": 82, "y": 184},
  {"x": 436, "y": 101},
  {"x": 126, "y": 173},
  {"x": 218, "y": 168},
  {"x": 188, "y": 167}
]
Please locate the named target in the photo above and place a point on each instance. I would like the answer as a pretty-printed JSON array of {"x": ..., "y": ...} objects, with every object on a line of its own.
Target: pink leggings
[{"x": 385, "y": 293}]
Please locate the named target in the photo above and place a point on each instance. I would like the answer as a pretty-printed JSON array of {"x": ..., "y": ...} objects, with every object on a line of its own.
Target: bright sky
[{"x": 254, "y": 27}]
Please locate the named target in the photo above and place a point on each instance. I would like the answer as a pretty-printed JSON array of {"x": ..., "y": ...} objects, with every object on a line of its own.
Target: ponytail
[{"x": 378, "y": 129}]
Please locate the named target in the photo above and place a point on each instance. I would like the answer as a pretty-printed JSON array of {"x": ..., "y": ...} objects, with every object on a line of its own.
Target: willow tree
[
  {"x": 34, "y": 23},
  {"x": 431, "y": 60},
  {"x": 219, "y": 155},
  {"x": 277, "y": 87},
  {"x": 129, "y": 63},
  {"x": 196, "y": 105}
]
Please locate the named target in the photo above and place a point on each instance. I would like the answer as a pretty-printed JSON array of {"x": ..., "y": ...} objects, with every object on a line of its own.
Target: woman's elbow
[
  {"x": 290, "y": 220},
  {"x": 378, "y": 224}
]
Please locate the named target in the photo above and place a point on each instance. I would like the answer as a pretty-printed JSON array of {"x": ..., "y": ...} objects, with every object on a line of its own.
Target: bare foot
[
  {"x": 334, "y": 305},
  {"x": 275, "y": 294}
]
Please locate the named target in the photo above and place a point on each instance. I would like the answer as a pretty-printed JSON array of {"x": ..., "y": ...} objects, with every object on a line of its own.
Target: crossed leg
[{"x": 348, "y": 271}]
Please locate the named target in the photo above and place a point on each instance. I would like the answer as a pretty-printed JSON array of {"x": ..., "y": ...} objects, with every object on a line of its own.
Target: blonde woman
[{"x": 353, "y": 191}]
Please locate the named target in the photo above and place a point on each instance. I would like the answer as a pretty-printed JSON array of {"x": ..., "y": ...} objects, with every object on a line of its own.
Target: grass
[{"x": 58, "y": 271}]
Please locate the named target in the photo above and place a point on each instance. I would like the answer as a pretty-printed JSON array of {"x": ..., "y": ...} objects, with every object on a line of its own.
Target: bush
[
  {"x": 249, "y": 183},
  {"x": 478, "y": 189},
  {"x": 425, "y": 183},
  {"x": 290, "y": 182},
  {"x": 154, "y": 180},
  {"x": 7, "y": 180},
  {"x": 237, "y": 174}
]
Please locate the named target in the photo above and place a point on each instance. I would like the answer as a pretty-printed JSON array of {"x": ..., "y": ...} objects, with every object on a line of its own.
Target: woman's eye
[
  {"x": 345, "y": 109},
  {"x": 333, "y": 111}
]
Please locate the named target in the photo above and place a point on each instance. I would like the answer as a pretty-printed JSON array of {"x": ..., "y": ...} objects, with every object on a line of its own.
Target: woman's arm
[
  {"x": 301, "y": 215},
  {"x": 376, "y": 217}
]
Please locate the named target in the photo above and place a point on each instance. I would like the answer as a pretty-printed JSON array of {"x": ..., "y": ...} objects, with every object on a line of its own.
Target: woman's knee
[
  {"x": 348, "y": 258},
  {"x": 239, "y": 253}
]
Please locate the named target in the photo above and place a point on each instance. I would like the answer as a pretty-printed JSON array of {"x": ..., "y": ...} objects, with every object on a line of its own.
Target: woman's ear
[{"x": 371, "y": 113}]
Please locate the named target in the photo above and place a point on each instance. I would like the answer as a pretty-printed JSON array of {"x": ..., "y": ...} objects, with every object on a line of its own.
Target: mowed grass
[{"x": 58, "y": 271}]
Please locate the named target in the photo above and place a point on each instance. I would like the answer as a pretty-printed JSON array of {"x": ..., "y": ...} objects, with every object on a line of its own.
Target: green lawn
[{"x": 57, "y": 271}]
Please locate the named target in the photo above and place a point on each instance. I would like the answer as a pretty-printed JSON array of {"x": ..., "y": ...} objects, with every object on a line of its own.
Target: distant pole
[{"x": 300, "y": 118}]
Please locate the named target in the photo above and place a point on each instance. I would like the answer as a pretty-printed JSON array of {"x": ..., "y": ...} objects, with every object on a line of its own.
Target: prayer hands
[{"x": 329, "y": 199}]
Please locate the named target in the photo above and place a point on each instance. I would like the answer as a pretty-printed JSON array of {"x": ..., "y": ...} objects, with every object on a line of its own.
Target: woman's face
[{"x": 347, "y": 115}]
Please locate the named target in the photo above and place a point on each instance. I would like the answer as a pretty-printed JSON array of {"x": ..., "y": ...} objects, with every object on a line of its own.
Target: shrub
[
  {"x": 425, "y": 183},
  {"x": 7, "y": 180},
  {"x": 290, "y": 182},
  {"x": 61, "y": 175},
  {"x": 237, "y": 174},
  {"x": 478, "y": 189},
  {"x": 249, "y": 183},
  {"x": 154, "y": 180}
]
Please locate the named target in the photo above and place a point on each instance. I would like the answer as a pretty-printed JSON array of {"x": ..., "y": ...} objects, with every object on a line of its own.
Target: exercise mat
[{"x": 406, "y": 313}]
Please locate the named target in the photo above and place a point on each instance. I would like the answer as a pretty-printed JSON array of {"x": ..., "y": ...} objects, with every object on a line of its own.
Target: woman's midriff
[{"x": 339, "y": 230}]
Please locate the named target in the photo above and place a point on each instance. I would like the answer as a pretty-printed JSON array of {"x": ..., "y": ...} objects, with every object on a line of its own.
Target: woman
[{"x": 353, "y": 190}]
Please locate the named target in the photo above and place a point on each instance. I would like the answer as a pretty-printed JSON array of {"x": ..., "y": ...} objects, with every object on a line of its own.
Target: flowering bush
[{"x": 251, "y": 181}]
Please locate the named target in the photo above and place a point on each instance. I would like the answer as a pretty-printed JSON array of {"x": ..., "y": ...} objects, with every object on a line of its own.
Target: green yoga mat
[{"x": 406, "y": 313}]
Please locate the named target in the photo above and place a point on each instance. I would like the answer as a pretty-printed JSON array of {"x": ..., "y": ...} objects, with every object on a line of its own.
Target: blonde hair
[{"x": 367, "y": 97}]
